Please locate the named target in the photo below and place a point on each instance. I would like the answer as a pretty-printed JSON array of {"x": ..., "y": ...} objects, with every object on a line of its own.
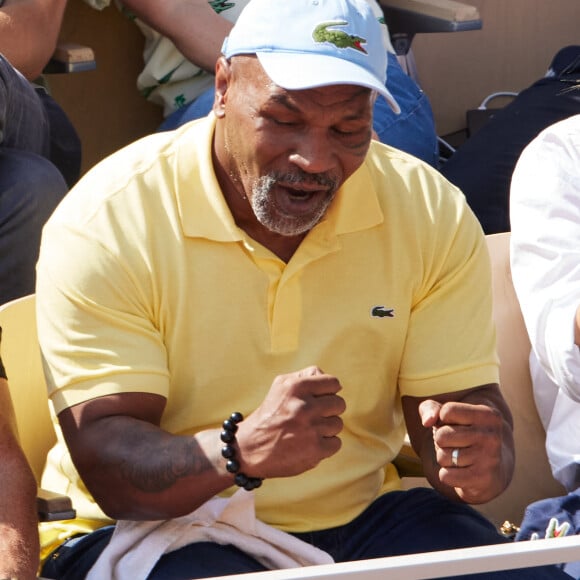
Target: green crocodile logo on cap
[{"x": 339, "y": 38}]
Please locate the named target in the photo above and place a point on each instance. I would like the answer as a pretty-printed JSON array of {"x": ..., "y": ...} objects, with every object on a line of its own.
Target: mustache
[{"x": 301, "y": 177}]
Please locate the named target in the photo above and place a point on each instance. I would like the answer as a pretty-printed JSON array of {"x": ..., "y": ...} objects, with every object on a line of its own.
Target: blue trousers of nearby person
[
  {"x": 30, "y": 188},
  {"x": 413, "y": 130},
  {"x": 405, "y": 522},
  {"x": 34, "y": 135}
]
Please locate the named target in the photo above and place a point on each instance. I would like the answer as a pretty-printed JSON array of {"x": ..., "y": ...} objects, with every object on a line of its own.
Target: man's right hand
[
  {"x": 137, "y": 470},
  {"x": 295, "y": 427}
]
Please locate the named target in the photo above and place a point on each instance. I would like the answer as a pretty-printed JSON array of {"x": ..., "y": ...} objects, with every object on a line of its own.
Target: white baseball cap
[{"x": 303, "y": 44}]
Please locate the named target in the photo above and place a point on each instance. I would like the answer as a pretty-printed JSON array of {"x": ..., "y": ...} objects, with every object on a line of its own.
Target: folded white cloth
[{"x": 136, "y": 547}]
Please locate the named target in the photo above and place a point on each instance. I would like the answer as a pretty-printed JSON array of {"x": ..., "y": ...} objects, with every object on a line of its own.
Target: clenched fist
[{"x": 296, "y": 426}]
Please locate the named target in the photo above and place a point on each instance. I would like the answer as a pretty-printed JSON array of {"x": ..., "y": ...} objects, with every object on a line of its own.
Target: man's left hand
[{"x": 465, "y": 441}]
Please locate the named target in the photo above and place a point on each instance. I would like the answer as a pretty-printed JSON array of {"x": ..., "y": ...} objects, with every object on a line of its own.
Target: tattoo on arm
[{"x": 153, "y": 464}]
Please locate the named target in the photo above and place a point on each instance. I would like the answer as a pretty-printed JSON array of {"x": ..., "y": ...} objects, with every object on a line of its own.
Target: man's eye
[
  {"x": 284, "y": 122},
  {"x": 343, "y": 131}
]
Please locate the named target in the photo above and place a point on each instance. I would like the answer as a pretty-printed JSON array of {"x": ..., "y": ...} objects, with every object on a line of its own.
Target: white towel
[{"x": 136, "y": 547}]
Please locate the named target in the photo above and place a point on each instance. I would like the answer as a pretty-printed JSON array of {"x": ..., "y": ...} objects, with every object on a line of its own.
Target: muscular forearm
[
  {"x": 136, "y": 470},
  {"x": 192, "y": 25},
  {"x": 141, "y": 472},
  {"x": 29, "y": 32}
]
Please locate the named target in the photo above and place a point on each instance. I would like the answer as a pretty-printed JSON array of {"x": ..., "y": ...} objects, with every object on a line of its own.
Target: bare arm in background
[
  {"x": 19, "y": 545},
  {"x": 192, "y": 25},
  {"x": 29, "y": 32}
]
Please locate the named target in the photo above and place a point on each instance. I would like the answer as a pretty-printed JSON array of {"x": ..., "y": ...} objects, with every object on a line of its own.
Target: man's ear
[{"x": 222, "y": 80}]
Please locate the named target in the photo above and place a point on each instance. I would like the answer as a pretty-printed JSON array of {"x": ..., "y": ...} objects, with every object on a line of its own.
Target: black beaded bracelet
[{"x": 228, "y": 436}]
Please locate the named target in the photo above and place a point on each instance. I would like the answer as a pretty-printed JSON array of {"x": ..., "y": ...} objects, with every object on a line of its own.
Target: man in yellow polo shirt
[{"x": 263, "y": 302}]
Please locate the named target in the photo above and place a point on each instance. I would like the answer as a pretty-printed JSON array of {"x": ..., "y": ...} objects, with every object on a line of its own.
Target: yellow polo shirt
[{"x": 145, "y": 283}]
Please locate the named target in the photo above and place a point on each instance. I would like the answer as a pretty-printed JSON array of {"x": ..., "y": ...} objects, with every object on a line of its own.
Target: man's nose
[{"x": 313, "y": 152}]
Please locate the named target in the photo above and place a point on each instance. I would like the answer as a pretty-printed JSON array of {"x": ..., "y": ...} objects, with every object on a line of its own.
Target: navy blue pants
[{"x": 406, "y": 522}]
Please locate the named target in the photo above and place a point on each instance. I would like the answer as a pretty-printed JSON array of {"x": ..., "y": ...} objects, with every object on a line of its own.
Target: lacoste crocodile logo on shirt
[{"x": 382, "y": 312}]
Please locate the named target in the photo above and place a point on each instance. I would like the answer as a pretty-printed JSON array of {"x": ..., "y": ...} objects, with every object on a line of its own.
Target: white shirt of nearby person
[{"x": 545, "y": 262}]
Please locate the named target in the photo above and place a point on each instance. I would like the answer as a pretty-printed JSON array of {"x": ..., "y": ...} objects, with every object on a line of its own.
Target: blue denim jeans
[
  {"x": 30, "y": 184},
  {"x": 398, "y": 523},
  {"x": 413, "y": 130},
  {"x": 24, "y": 122},
  {"x": 30, "y": 188}
]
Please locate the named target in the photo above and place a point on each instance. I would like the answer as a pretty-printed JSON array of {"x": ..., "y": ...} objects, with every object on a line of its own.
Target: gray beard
[{"x": 275, "y": 222}]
